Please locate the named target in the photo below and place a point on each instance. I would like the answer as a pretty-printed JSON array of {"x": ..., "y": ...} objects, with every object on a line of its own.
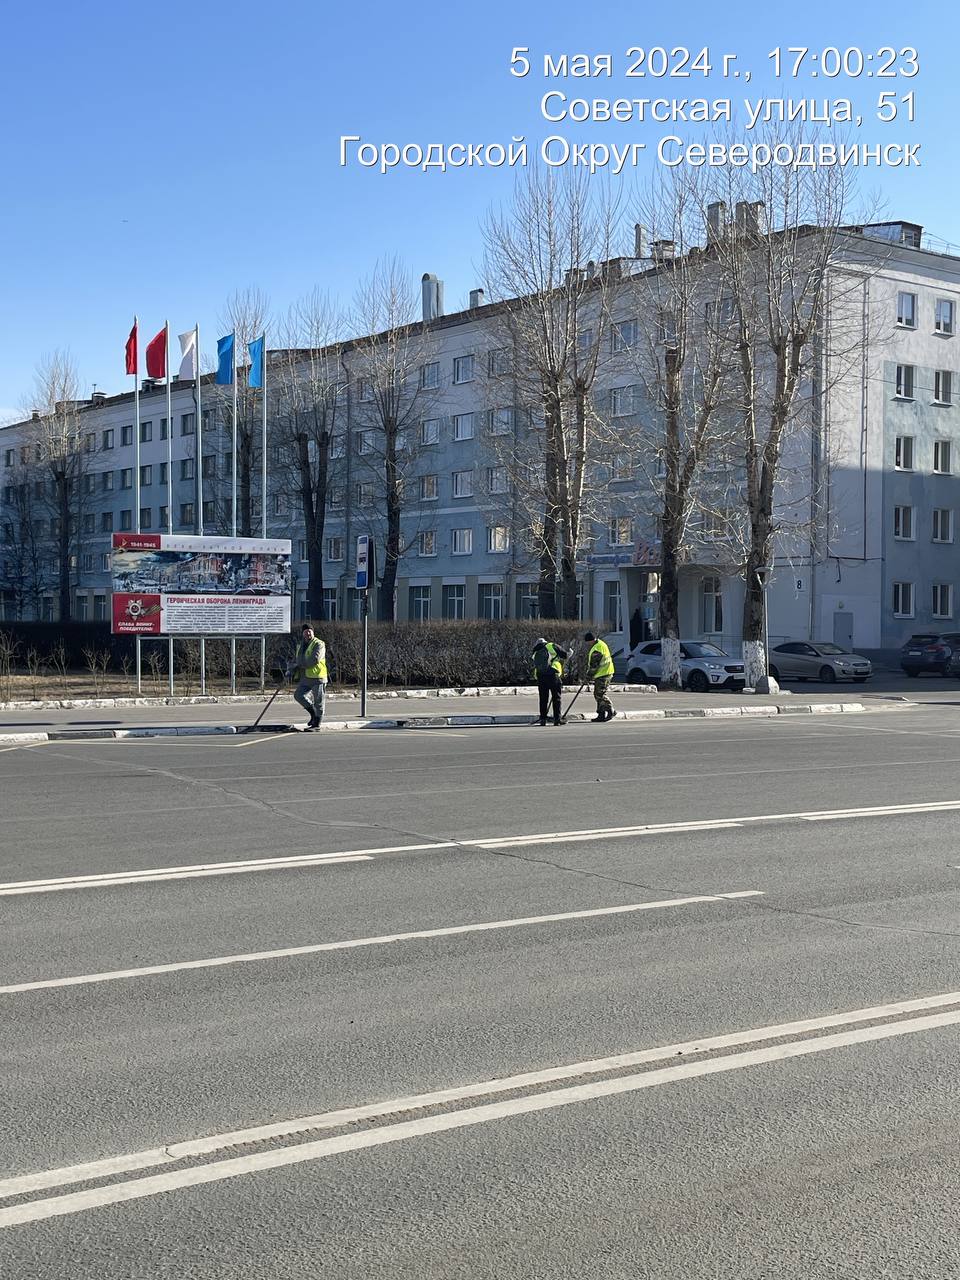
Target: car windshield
[
  {"x": 704, "y": 651},
  {"x": 825, "y": 649}
]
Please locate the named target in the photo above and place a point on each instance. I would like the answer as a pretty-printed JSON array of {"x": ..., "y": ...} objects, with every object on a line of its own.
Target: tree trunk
[
  {"x": 386, "y": 603},
  {"x": 63, "y": 544},
  {"x": 670, "y": 537},
  {"x": 244, "y": 481}
]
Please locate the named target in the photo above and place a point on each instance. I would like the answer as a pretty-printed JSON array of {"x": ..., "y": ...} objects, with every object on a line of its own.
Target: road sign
[{"x": 364, "y": 561}]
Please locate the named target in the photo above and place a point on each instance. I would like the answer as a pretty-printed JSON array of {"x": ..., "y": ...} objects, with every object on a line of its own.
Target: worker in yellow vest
[
  {"x": 548, "y": 672},
  {"x": 309, "y": 667},
  {"x": 600, "y": 671}
]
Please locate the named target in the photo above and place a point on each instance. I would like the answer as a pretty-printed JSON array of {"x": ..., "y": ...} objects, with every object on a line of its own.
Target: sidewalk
[{"x": 417, "y": 709}]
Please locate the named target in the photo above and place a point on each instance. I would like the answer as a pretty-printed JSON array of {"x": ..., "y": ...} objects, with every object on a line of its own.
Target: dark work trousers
[{"x": 549, "y": 687}]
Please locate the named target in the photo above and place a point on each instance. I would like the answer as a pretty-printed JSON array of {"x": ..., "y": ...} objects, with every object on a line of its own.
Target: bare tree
[
  {"x": 25, "y": 567},
  {"x": 549, "y": 265},
  {"x": 309, "y": 375},
  {"x": 393, "y": 398}
]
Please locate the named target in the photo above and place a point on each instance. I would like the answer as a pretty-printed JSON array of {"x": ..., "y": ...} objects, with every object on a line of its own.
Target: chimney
[
  {"x": 663, "y": 251},
  {"x": 716, "y": 218},
  {"x": 591, "y": 269},
  {"x": 612, "y": 269},
  {"x": 432, "y": 291},
  {"x": 748, "y": 217},
  {"x": 640, "y": 249},
  {"x": 147, "y": 384},
  {"x": 98, "y": 397},
  {"x": 34, "y": 415},
  {"x": 476, "y": 299}
]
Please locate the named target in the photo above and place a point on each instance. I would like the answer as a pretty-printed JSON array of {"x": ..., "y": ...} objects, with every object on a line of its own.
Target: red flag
[
  {"x": 131, "y": 350},
  {"x": 157, "y": 355}
]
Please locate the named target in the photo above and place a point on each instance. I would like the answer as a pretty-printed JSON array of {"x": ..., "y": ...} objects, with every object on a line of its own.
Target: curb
[{"x": 434, "y": 722}]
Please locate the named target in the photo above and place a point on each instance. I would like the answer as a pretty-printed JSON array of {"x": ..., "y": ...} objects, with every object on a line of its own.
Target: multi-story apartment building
[{"x": 878, "y": 561}]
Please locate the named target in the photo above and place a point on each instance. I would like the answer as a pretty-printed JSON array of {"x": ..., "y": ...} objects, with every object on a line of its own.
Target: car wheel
[
  {"x": 697, "y": 682},
  {"x": 775, "y": 673},
  {"x": 636, "y": 675},
  {"x": 828, "y": 675}
]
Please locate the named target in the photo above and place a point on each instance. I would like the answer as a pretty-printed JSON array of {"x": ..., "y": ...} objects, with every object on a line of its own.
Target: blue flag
[
  {"x": 225, "y": 361},
  {"x": 256, "y": 362}
]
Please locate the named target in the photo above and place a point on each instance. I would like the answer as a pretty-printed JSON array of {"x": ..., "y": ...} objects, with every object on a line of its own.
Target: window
[
  {"x": 453, "y": 601},
  {"x": 209, "y": 466},
  {"x": 146, "y": 518},
  {"x": 622, "y": 401},
  {"x": 302, "y": 550},
  {"x": 106, "y": 440},
  {"x": 89, "y": 444},
  {"x": 188, "y": 424},
  {"x": 89, "y": 484},
  {"x": 711, "y": 606},
  {"x": 943, "y": 316},
  {"x": 126, "y": 434},
  {"x": 463, "y": 369},
  {"x": 419, "y": 604},
  {"x": 528, "y": 600},
  {"x": 623, "y": 335},
  {"x": 907, "y": 310},
  {"x": 105, "y": 562},
  {"x": 86, "y": 562},
  {"x": 86, "y": 525},
  {"x": 430, "y": 376},
  {"x": 228, "y": 465},
  {"x": 941, "y": 457},
  {"x": 364, "y": 495},
  {"x": 501, "y": 421},
  {"x": 498, "y": 480},
  {"x": 163, "y": 428},
  {"x": 38, "y": 488},
  {"x": 427, "y": 543},
  {"x": 612, "y": 610},
  {"x": 365, "y": 442},
  {"x": 163, "y": 473},
  {"x": 188, "y": 469},
  {"x": 943, "y": 386},
  {"x": 25, "y": 454},
  {"x": 943, "y": 524},
  {"x": 720, "y": 315},
  {"x": 942, "y": 600},
  {"x": 146, "y": 475},
  {"x": 126, "y": 519},
  {"x": 619, "y": 533},
  {"x": 429, "y": 491},
  {"x": 463, "y": 426},
  {"x": 905, "y": 374},
  {"x": 99, "y": 608},
  {"x": 331, "y": 606},
  {"x": 364, "y": 391},
  {"x": 622, "y": 467},
  {"x": 490, "y": 600},
  {"x": 146, "y": 432},
  {"x": 279, "y": 504},
  {"x": 338, "y": 446},
  {"x": 334, "y": 549},
  {"x": 187, "y": 513},
  {"x": 498, "y": 538},
  {"x": 463, "y": 484},
  {"x": 430, "y": 431},
  {"x": 903, "y": 522},
  {"x": 584, "y": 342},
  {"x": 106, "y": 522},
  {"x": 164, "y": 518},
  {"x": 498, "y": 362},
  {"x": 461, "y": 542},
  {"x": 903, "y": 599},
  {"x": 336, "y": 495},
  {"x": 8, "y": 455},
  {"x": 904, "y": 453}
]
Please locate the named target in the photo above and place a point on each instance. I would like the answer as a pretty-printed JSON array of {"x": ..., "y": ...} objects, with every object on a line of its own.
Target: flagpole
[
  {"x": 233, "y": 506},
  {"x": 166, "y": 367},
  {"x": 136, "y": 475},
  {"x": 263, "y": 488},
  {"x": 198, "y": 489}
]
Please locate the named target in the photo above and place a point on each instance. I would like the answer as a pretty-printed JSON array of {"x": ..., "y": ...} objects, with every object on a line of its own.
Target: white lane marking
[
  {"x": 108, "y": 879},
  {"x": 158, "y": 1184},
  {"x": 175, "y": 1152},
  {"x": 315, "y": 948}
]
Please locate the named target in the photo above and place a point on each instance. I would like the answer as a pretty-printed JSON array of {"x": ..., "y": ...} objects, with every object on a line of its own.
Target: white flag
[{"x": 188, "y": 350}]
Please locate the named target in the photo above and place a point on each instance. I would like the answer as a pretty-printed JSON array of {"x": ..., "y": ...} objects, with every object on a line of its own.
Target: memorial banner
[{"x": 181, "y": 584}]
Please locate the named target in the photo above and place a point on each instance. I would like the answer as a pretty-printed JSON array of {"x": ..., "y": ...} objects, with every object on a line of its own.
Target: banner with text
[{"x": 180, "y": 584}]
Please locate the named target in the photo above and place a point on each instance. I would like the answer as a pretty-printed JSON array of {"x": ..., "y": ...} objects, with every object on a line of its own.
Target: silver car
[{"x": 817, "y": 660}]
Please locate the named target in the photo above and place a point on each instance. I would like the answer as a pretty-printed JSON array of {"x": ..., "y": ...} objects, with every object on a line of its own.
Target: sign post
[{"x": 365, "y": 570}]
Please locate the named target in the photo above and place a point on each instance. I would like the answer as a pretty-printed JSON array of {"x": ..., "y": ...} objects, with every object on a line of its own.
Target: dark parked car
[{"x": 929, "y": 651}]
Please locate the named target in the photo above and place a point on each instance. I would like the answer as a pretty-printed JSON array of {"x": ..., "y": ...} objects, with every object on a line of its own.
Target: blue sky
[{"x": 159, "y": 168}]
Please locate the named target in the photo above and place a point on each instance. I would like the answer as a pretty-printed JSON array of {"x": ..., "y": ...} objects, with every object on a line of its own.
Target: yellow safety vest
[
  {"x": 604, "y": 660},
  {"x": 312, "y": 660},
  {"x": 555, "y": 662}
]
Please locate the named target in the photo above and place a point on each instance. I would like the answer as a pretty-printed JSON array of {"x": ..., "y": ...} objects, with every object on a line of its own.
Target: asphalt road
[{"x": 709, "y": 1026}]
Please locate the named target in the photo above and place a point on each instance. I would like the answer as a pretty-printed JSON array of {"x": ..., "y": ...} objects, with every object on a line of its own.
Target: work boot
[
  {"x": 599, "y": 718},
  {"x": 610, "y": 714},
  {"x": 542, "y": 722}
]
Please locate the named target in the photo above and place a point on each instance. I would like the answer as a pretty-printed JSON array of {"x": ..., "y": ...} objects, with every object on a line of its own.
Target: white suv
[{"x": 702, "y": 666}]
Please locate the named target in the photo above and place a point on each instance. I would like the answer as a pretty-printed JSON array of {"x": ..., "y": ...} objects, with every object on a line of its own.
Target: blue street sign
[{"x": 363, "y": 562}]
